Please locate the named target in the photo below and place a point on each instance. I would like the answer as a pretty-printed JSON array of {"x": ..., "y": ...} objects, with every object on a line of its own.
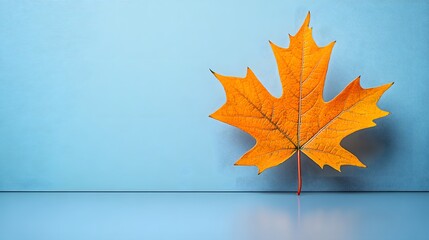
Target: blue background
[{"x": 115, "y": 95}]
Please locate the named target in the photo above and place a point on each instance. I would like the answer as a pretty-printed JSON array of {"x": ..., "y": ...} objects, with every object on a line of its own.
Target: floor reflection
[{"x": 241, "y": 216}]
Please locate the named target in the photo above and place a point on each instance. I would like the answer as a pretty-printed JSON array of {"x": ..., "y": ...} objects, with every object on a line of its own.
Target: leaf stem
[{"x": 299, "y": 173}]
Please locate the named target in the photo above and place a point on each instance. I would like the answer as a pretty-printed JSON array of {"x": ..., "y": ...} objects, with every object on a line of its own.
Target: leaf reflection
[{"x": 296, "y": 222}]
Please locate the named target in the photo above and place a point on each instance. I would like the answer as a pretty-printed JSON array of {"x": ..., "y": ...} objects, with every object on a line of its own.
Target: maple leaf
[{"x": 300, "y": 120}]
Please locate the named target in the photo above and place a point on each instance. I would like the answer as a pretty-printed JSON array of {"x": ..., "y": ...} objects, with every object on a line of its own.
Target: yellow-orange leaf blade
[
  {"x": 300, "y": 120},
  {"x": 353, "y": 109},
  {"x": 251, "y": 107}
]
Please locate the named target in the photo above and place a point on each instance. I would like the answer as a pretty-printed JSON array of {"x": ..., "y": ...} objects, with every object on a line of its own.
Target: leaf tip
[
  {"x": 360, "y": 164},
  {"x": 331, "y": 44},
  {"x": 357, "y": 80},
  {"x": 249, "y": 72},
  {"x": 260, "y": 169},
  {"x": 307, "y": 19}
]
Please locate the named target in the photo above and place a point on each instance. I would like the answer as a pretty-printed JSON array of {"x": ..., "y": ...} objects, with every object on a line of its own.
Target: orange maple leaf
[{"x": 300, "y": 120}]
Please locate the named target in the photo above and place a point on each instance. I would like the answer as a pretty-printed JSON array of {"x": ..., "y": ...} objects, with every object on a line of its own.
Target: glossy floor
[{"x": 214, "y": 216}]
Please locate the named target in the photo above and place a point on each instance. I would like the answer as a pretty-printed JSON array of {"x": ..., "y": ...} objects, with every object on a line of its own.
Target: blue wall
[{"x": 114, "y": 95}]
